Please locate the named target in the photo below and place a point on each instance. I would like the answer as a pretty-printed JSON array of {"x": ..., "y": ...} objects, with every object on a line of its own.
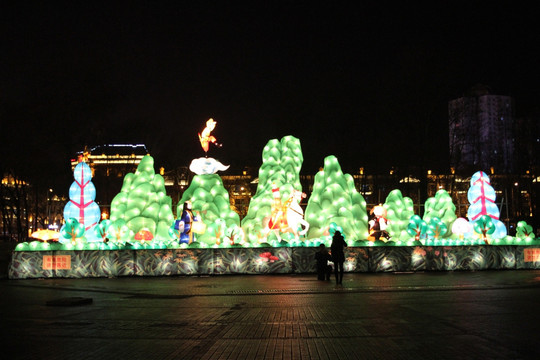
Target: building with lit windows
[{"x": 481, "y": 131}]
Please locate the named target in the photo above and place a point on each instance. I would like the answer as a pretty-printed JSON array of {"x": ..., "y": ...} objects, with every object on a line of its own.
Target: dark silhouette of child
[
  {"x": 338, "y": 256},
  {"x": 323, "y": 269}
]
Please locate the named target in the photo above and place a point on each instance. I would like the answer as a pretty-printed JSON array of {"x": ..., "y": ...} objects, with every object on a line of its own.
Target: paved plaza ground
[{"x": 439, "y": 315}]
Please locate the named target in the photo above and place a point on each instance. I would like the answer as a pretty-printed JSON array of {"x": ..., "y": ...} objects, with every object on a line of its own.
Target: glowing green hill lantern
[
  {"x": 335, "y": 200},
  {"x": 211, "y": 204},
  {"x": 441, "y": 206},
  {"x": 142, "y": 202},
  {"x": 282, "y": 161},
  {"x": 399, "y": 210}
]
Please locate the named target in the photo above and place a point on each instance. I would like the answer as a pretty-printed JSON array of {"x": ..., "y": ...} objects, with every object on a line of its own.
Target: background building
[{"x": 481, "y": 131}]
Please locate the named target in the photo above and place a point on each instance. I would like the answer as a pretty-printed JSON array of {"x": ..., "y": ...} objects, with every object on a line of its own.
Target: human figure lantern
[
  {"x": 205, "y": 136},
  {"x": 378, "y": 225},
  {"x": 286, "y": 217},
  {"x": 206, "y": 165},
  {"x": 185, "y": 224},
  {"x": 81, "y": 205}
]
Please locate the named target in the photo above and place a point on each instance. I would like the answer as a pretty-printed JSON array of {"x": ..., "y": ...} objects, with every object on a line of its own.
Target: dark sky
[{"x": 367, "y": 83}]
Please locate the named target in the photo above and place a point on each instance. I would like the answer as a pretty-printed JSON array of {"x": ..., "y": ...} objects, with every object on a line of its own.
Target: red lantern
[{"x": 144, "y": 235}]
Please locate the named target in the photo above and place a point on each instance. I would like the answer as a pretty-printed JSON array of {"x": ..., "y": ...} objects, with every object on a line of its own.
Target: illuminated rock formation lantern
[
  {"x": 204, "y": 211},
  {"x": 211, "y": 206},
  {"x": 440, "y": 206},
  {"x": 399, "y": 209},
  {"x": 142, "y": 204},
  {"x": 335, "y": 200},
  {"x": 279, "y": 178}
]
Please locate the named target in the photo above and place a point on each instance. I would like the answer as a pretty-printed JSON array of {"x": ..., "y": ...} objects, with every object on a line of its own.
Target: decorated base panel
[{"x": 284, "y": 260}]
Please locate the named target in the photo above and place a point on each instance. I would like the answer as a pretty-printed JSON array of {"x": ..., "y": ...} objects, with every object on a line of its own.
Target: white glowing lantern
[{"x": 461, "y": 227}]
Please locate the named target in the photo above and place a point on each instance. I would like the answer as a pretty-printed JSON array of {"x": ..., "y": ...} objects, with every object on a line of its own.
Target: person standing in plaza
[
  {"x": 324, "y": 271},
  {"x": 338, "y": 256}
]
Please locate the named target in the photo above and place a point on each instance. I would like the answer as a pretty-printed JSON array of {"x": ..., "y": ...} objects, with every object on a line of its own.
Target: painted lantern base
[{"x": 285, "y": 260}]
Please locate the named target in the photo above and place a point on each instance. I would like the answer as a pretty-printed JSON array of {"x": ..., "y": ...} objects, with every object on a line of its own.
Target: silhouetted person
[
  {"x": 323, "y": 269},
  {"x": 338, "y": 257}
]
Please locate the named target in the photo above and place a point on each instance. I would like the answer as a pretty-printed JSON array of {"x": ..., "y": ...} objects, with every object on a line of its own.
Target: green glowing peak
[
  {"x": 211, "y": 205},
  {"x": 441, "y": 206},
  {"x": 282, "y": 161},
  {"x": 399, "y": 211},
  {"x": 141, "y": 203},
  {"x": 335, "y": 200}
]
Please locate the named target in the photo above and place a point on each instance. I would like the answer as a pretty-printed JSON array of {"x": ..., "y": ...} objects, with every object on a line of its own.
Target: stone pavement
[{"x": 442, "y": 315}]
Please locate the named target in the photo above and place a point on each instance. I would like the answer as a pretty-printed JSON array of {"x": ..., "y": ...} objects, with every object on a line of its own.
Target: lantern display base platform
[{"x": 284, "y": 260}]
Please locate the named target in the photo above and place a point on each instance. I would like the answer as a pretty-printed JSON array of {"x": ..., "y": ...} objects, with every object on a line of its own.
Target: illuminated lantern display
[
  {"x": 378, "y": 225},
  {"x": 524, "y": 231},
  {"x": 144, "y": 235},
  {"x": 71, "y": 231},
  {"x": 333, "y": 227},
  {"x": 142, "y": 203},
  {"x": 417, "y": 227},
  {"x": 210, "y": 203},
  {"x": 399, "y": 211},
  {"x": 205, "y": 136},
  {"x": 436, "y": 228},
  {"x": 481, "y": 196},
  {"x": 462, "y": 227},
  {"x": 81, "y": 205},
  {"x": 206, "y": 165},
  {"x": 440, "y": 206},
  {"x": 485, "y": 226},
  {"x": 335, "y": 199},
  {"x": 282, "y": 161},
  {"x": 102, "y": 230},
  {"x": 118, "y": 231}
]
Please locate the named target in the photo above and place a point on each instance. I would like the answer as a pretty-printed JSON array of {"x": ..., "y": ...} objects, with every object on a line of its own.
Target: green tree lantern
[
  {"x": 524, "y": 231},
  {"x": 417, "y": 227},
  {"x": 72, "y": 230},
  {"x": 484, "y": 226},
  {"x": 436, "y": 228}
]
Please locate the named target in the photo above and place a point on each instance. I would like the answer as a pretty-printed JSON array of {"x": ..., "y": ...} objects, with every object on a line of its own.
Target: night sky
[{"x": 367, "y": 83}]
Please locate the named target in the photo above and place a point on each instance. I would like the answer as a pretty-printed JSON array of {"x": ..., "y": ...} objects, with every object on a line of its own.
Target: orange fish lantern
[
  {"x": 144, "y": 235},
  {"x": 205, "y": 136}
]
